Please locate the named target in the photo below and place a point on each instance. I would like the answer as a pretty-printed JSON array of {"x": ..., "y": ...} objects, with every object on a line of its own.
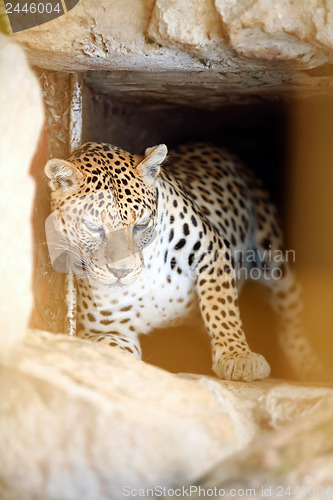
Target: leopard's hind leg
[
  {"x": 284, "y": 294},
  {"x": 282, "y": 290}
]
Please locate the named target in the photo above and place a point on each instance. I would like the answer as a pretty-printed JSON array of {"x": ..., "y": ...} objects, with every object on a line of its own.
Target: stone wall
[
  {"x": 254, "y": 46},
  {"x": 21, "y": 118},
  {"x": 79, "y": 420}
]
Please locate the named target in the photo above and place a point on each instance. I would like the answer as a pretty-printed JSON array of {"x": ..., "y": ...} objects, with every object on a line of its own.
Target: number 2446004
[{"x": 32, "y": 8}]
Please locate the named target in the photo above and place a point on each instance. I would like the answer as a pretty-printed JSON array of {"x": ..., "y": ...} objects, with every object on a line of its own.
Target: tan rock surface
[
  {"x": 118, "y": 35},
  {"x": 100, "y": 35},
  {"x": 296, "y": 31},
  {"x": 295, "y": 462},
  {"x": 21, "y": 118},
  {"x": 80, "y": 420},
  {"x": 239, "y": 48},
  {"x": 194, "y": 26}
]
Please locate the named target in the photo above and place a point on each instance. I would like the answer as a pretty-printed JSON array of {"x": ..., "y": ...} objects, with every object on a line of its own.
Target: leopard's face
[{"x": 104, "y": 206}]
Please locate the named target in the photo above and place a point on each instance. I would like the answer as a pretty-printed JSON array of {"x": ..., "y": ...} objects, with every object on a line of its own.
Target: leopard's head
[{"x": 104, "y": 211}]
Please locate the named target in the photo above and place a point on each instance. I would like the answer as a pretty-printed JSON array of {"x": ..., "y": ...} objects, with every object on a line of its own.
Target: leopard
[{"x": 156, "y": 239}]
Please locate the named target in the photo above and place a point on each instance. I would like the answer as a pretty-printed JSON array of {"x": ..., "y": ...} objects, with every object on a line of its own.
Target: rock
[
  {"x": 101, "y": 35},
  {"x": 21, "y": 118},
  {"x": 298, "y": 32},
  {"x": 294, "y": 462},
  {"x": 202, "y": 52},
  {"x": 79, "y": 420},
  {"x": 122, "y": 35},
  {"x": 194, "y": 26},
  {"x": 288, "y": 31}
]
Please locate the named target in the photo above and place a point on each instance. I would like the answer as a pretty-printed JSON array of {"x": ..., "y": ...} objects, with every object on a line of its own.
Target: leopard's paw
[{"x": 248, "y": 366}]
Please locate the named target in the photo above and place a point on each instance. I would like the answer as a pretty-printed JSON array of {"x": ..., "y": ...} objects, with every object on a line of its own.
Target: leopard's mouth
[
  {"x": 110, "y": 281},
  {"x": 117, "y": 284},
  {"x": 106, "y": 274}
]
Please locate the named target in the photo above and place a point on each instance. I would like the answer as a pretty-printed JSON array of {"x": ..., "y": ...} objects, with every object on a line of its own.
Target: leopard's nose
[{"x": 120, "y": 273}]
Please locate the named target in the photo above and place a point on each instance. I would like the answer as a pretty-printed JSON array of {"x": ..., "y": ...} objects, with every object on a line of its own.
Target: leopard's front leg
[
  {"x": 127, "y": 343},
  {"x": 97, "y": 322},
  {"x": 218, "y": 299}
]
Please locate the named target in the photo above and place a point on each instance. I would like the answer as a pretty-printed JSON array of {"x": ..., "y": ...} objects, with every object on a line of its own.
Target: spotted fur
[{"x": 155, "y": 244}]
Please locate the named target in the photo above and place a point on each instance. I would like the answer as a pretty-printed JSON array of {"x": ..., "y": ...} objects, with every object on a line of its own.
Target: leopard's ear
[
  {"x": 62, "y": 174},
  {"x": 149, "y": 167}
]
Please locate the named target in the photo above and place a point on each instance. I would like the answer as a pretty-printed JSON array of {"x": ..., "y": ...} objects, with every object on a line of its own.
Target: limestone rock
[
  {"x": 284, "y": 31},
  {"x": 295, "y": 462},
  {"x": 21, "y": 118},
  {"x": 295, "y": 31},
  {"x": 239, "y": 49},
  {"x": 229, "y": 35},
  {"x": 79, "y": 420},
  {"x": 194, "y": 26},
  {"x": 100, "y": 35}
]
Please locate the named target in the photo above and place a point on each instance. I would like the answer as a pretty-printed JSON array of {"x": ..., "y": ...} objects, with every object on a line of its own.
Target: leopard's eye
[
  {"x": 93, "y": 227},
  {"x": 142, "y": 225}
]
